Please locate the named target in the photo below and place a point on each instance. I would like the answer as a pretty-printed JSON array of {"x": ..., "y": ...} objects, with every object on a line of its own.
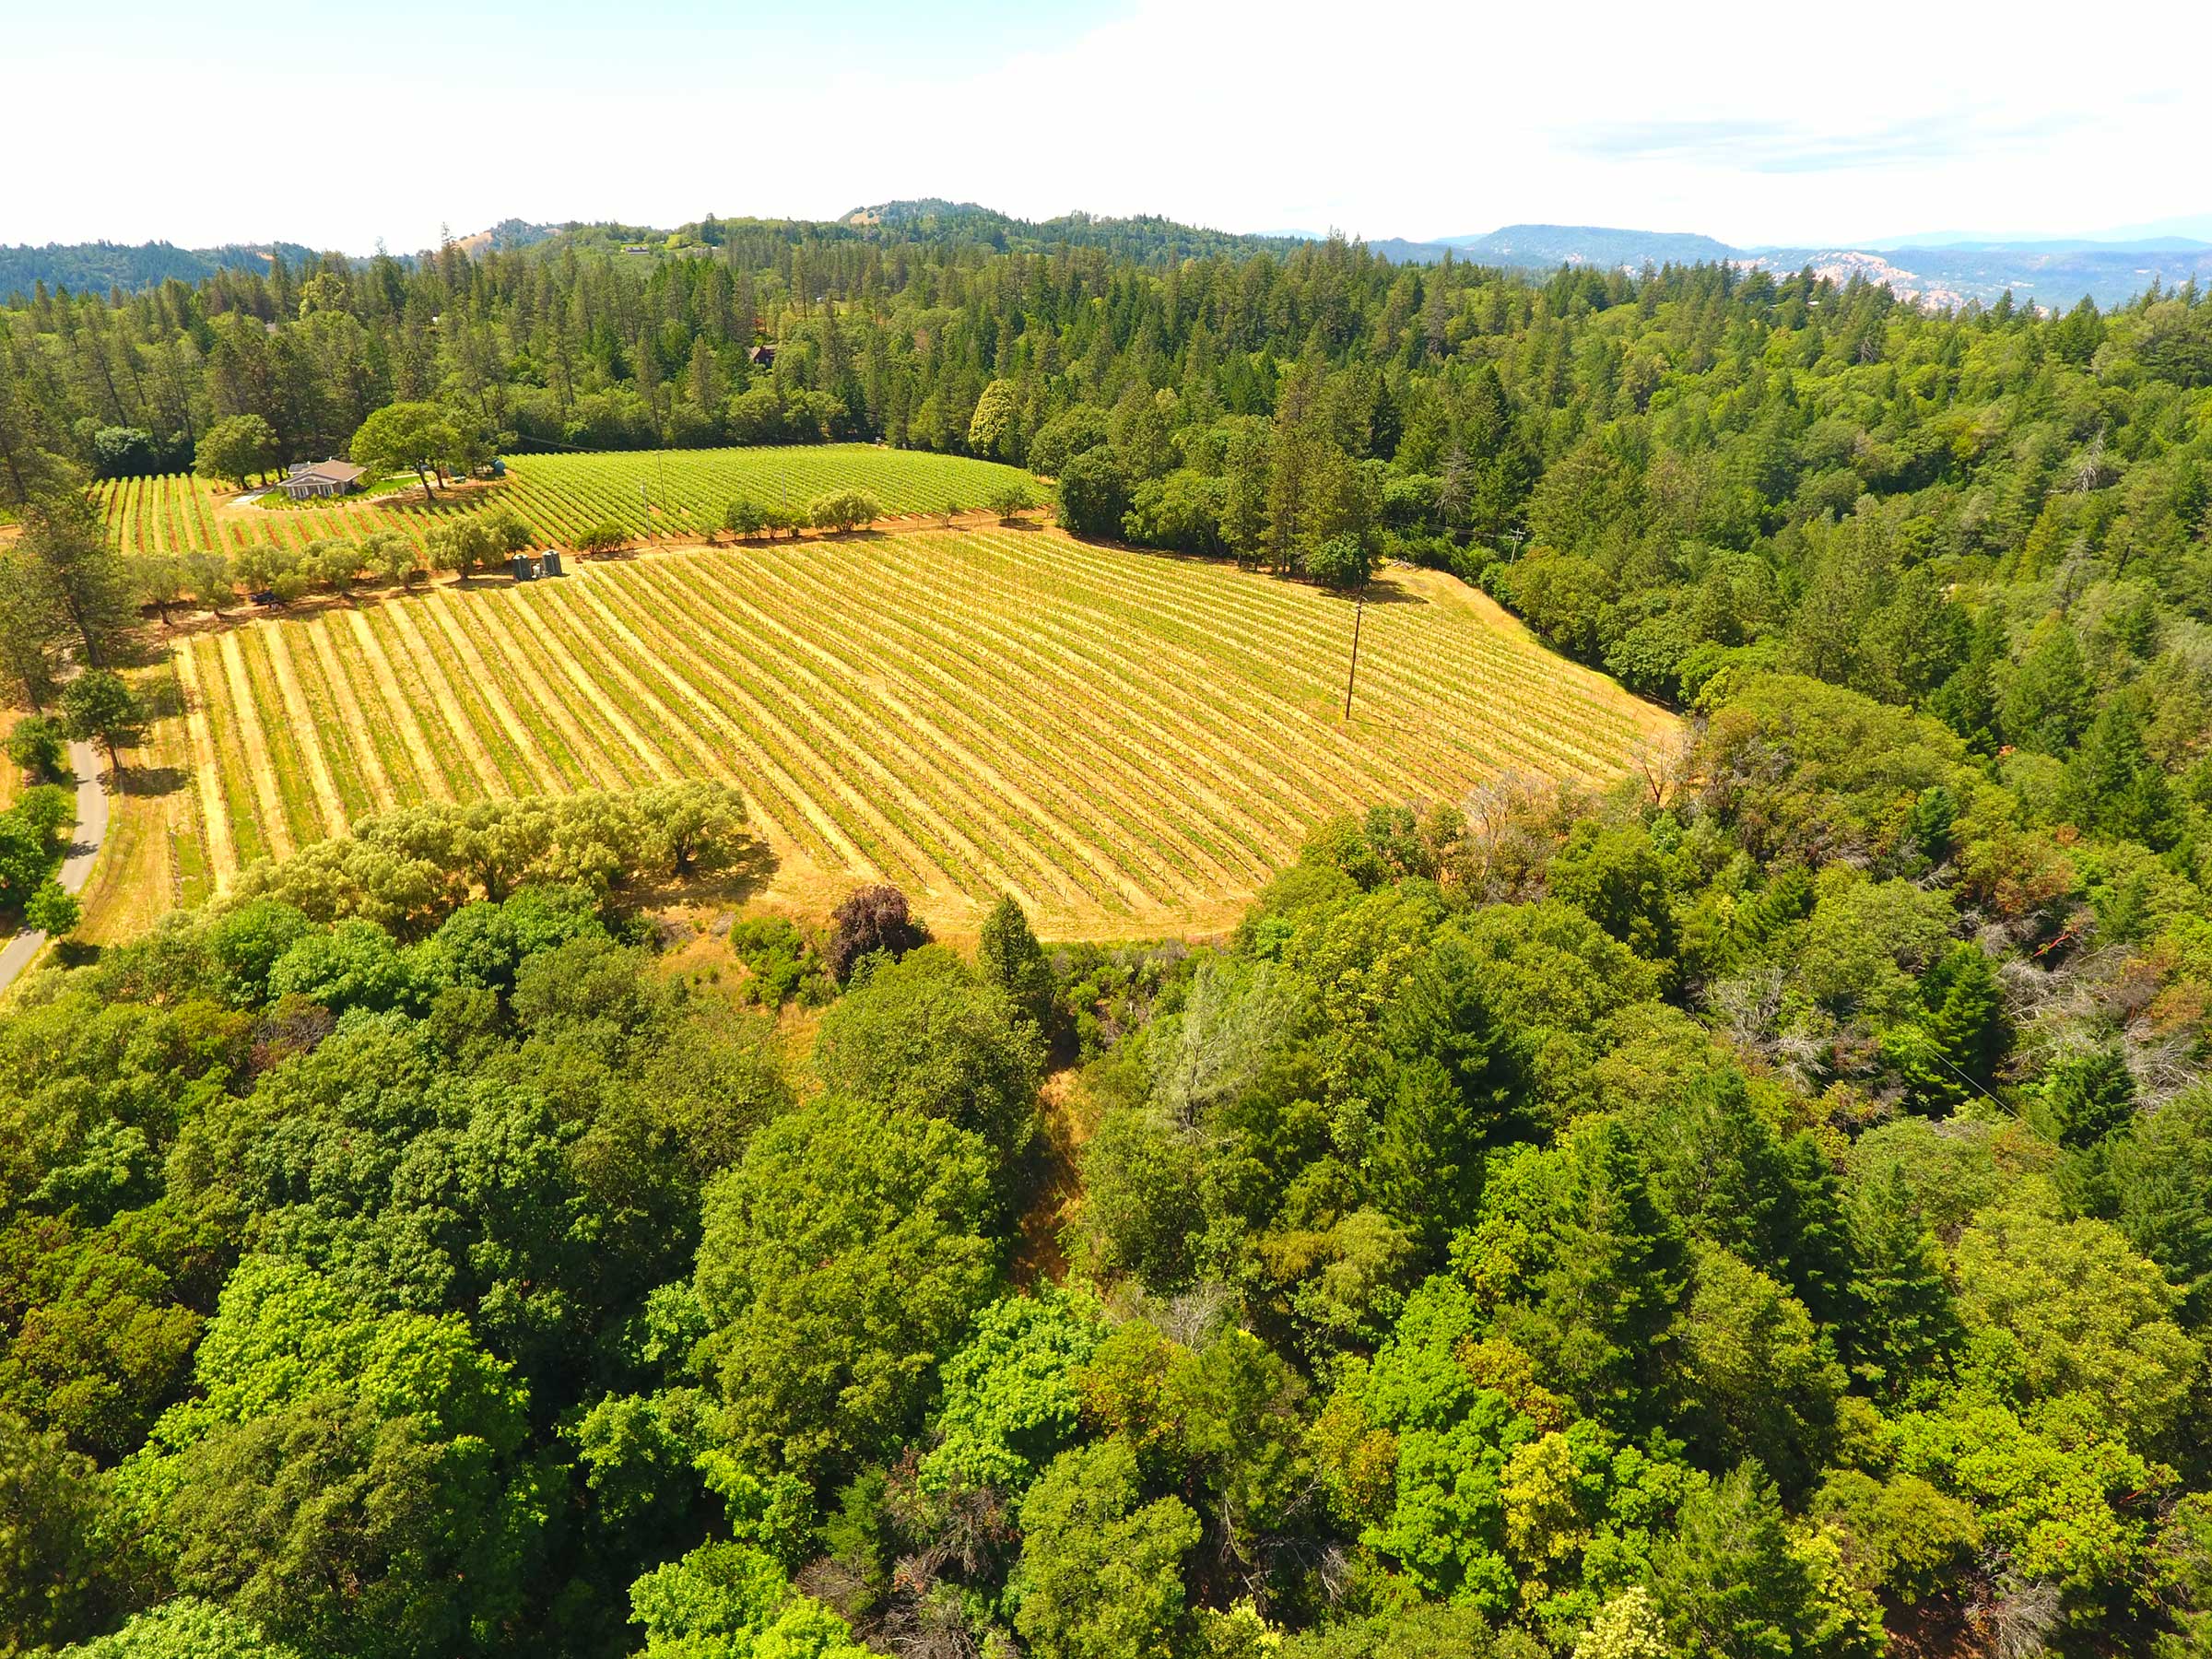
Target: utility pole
[{"x": 1359, "y": 611}]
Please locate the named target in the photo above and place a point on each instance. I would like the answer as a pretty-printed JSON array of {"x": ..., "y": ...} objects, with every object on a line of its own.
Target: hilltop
[{"x": 97, "y": 266}]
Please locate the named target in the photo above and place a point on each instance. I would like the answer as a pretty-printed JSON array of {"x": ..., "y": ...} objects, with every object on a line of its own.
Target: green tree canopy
[
  {"x": 839, "y": 1262},
  {"x": 1102, "y": 1569},
  {"x": 420, "y": 438},
  {"x": 929, "y": 1035},
  {"x": 235, "y": 447}
]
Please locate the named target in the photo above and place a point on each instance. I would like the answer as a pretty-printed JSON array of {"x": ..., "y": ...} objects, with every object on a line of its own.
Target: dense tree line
[
  {"x": 1763, "y": 1210},
  {"x": 1657, "y": 470}
]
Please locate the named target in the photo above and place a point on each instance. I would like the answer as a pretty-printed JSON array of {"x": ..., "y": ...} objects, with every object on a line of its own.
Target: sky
[{"x": 343, "y": 126}]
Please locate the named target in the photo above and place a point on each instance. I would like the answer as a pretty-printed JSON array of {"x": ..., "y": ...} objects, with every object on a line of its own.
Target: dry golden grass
[{"x": 1130, "y": 744}]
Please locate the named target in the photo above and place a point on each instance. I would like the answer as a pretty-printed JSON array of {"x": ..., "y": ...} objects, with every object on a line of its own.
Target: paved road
[{"x": 76, "y": 868}]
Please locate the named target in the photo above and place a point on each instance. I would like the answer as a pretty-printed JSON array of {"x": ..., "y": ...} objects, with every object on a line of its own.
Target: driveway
[{"x": 76, "y": 867}]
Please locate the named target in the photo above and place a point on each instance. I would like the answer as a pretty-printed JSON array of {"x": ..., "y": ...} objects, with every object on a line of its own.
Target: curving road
[{"x": 76, "y": 867}]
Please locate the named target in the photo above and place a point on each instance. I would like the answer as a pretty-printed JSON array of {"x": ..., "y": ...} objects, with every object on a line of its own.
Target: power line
[{"x": 1359, "y": 611}]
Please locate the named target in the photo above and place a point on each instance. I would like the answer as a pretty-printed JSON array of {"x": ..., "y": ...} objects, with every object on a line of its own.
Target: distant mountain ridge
[
  {"x": 1147, "y": 236},
  {"x": 1954, "y": 270},
  {"x": 1550, "y": 246},
  {"x": 97, "y": 266},
  {"x": 2051, "y": 273}
]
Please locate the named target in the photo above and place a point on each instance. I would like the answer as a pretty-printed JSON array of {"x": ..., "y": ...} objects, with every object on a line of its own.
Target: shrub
[
  {"x": 743, "y": 516},
  {"x": 930, "y": 1035},
  {"x": 605, "y": 536},
  {"x": 209, "y": 578},
  {"x": 392, "y": 556},
  {"x": 1065, "y": 437},
  {"x": 51, "y": 910},
  {"x": 37, "y": 745},
  {"x": 1342, "y": 563},
  {"x": 1094, "y": 494},
  {"x": 99, "y": 703},
  {"x": 783, "y": 964},
  {"x": 505, "y": 529},
  {"x": 462, "y": 547},
  {"x": 30, "y": 842},
  {"x": 266, "y": 568},
  {"x": 1010, "y": 499},
  {"x": 845, "y": 509},
  {"x": 333, "y": 559},
  {"x": 873, "y": 919}
]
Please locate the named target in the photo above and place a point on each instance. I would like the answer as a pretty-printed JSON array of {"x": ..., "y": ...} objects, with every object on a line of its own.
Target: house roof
[{"x": 334, "y": 472}]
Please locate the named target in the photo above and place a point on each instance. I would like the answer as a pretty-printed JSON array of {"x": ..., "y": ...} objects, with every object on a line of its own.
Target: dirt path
[
  {"x": 1055, "y": 1186},
  {"x": 207, "y": 767},
  {"x": 76, "y": 865},
  {"x": 427, "y": 774},
  {"x": 330, "y": 807},
  {"x": 374, "y": 778},
  {"x": 269, "y": 793}
]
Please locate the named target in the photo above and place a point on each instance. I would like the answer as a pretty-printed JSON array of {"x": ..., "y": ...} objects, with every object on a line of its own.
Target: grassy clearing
[
  {"x": 672, "y": 495},
  {"x": 1127, "y": 743}
]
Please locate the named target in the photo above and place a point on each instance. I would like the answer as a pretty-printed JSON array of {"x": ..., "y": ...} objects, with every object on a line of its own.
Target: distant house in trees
[
  {"x": 307, "y": 480},
  {"x": 762, "y": 357}
]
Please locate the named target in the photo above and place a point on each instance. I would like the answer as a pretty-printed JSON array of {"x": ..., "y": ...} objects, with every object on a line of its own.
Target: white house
[{"x": 305, "y": 480}]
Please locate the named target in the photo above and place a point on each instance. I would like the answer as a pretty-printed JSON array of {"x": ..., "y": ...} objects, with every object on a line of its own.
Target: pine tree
[
  {"x": 31, "y": 632},
  {"x": 2162, "y": 1178},
  {"x": 2046, "y": 699},
  {"x": 1244, "y": 510},
  {"x": 1902, "y": 1322},
  {"x": 1011, "y": 957},
  {"x": 1950, "y": 1054},
  {"x": 1726, "y": 1578},
  {"x": 2113, "y": 785},
  {"x": 1606, "y": 1301},
  {"x": 83, "y": 570},
  {"x": 2083, "y": 1097},
  {"x": 30, "y": 467}
]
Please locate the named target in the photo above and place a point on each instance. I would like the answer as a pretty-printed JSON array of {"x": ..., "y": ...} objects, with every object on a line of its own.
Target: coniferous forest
[{"x": 1759, "y": 1208}]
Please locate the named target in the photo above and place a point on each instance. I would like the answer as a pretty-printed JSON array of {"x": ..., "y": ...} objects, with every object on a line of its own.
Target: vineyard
[
  {"x": 675, "y": 494},
  {"x": 1121, "y": 741}
]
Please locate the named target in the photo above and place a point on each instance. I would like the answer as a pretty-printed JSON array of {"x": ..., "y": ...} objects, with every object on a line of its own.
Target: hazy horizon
[
  {"x": 2184, "y": 228},
  {"x": 1425, "y": 121}
]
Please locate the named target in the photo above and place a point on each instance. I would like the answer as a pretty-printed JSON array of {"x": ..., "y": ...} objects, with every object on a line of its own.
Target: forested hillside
[
  {"x": 1763, "y": 1211},
  {"x": 2000, "y": 515},
  {"x": 98, "y": 267},
  {"x": 1684, "y": 466}
]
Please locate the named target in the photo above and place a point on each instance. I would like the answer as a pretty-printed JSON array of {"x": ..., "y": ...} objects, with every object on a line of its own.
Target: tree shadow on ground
[
  {"x": 1382, "y": 590},
  {"x": 747, "y": 875},
  {"x": 162, "y": 700},
  {"x": 151, "y": 780}
]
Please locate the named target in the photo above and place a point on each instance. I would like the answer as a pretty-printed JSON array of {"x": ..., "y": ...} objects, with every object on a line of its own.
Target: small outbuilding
[
  {"x": 762, "y": 357},
  {"x": 313, "y": 480}
]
